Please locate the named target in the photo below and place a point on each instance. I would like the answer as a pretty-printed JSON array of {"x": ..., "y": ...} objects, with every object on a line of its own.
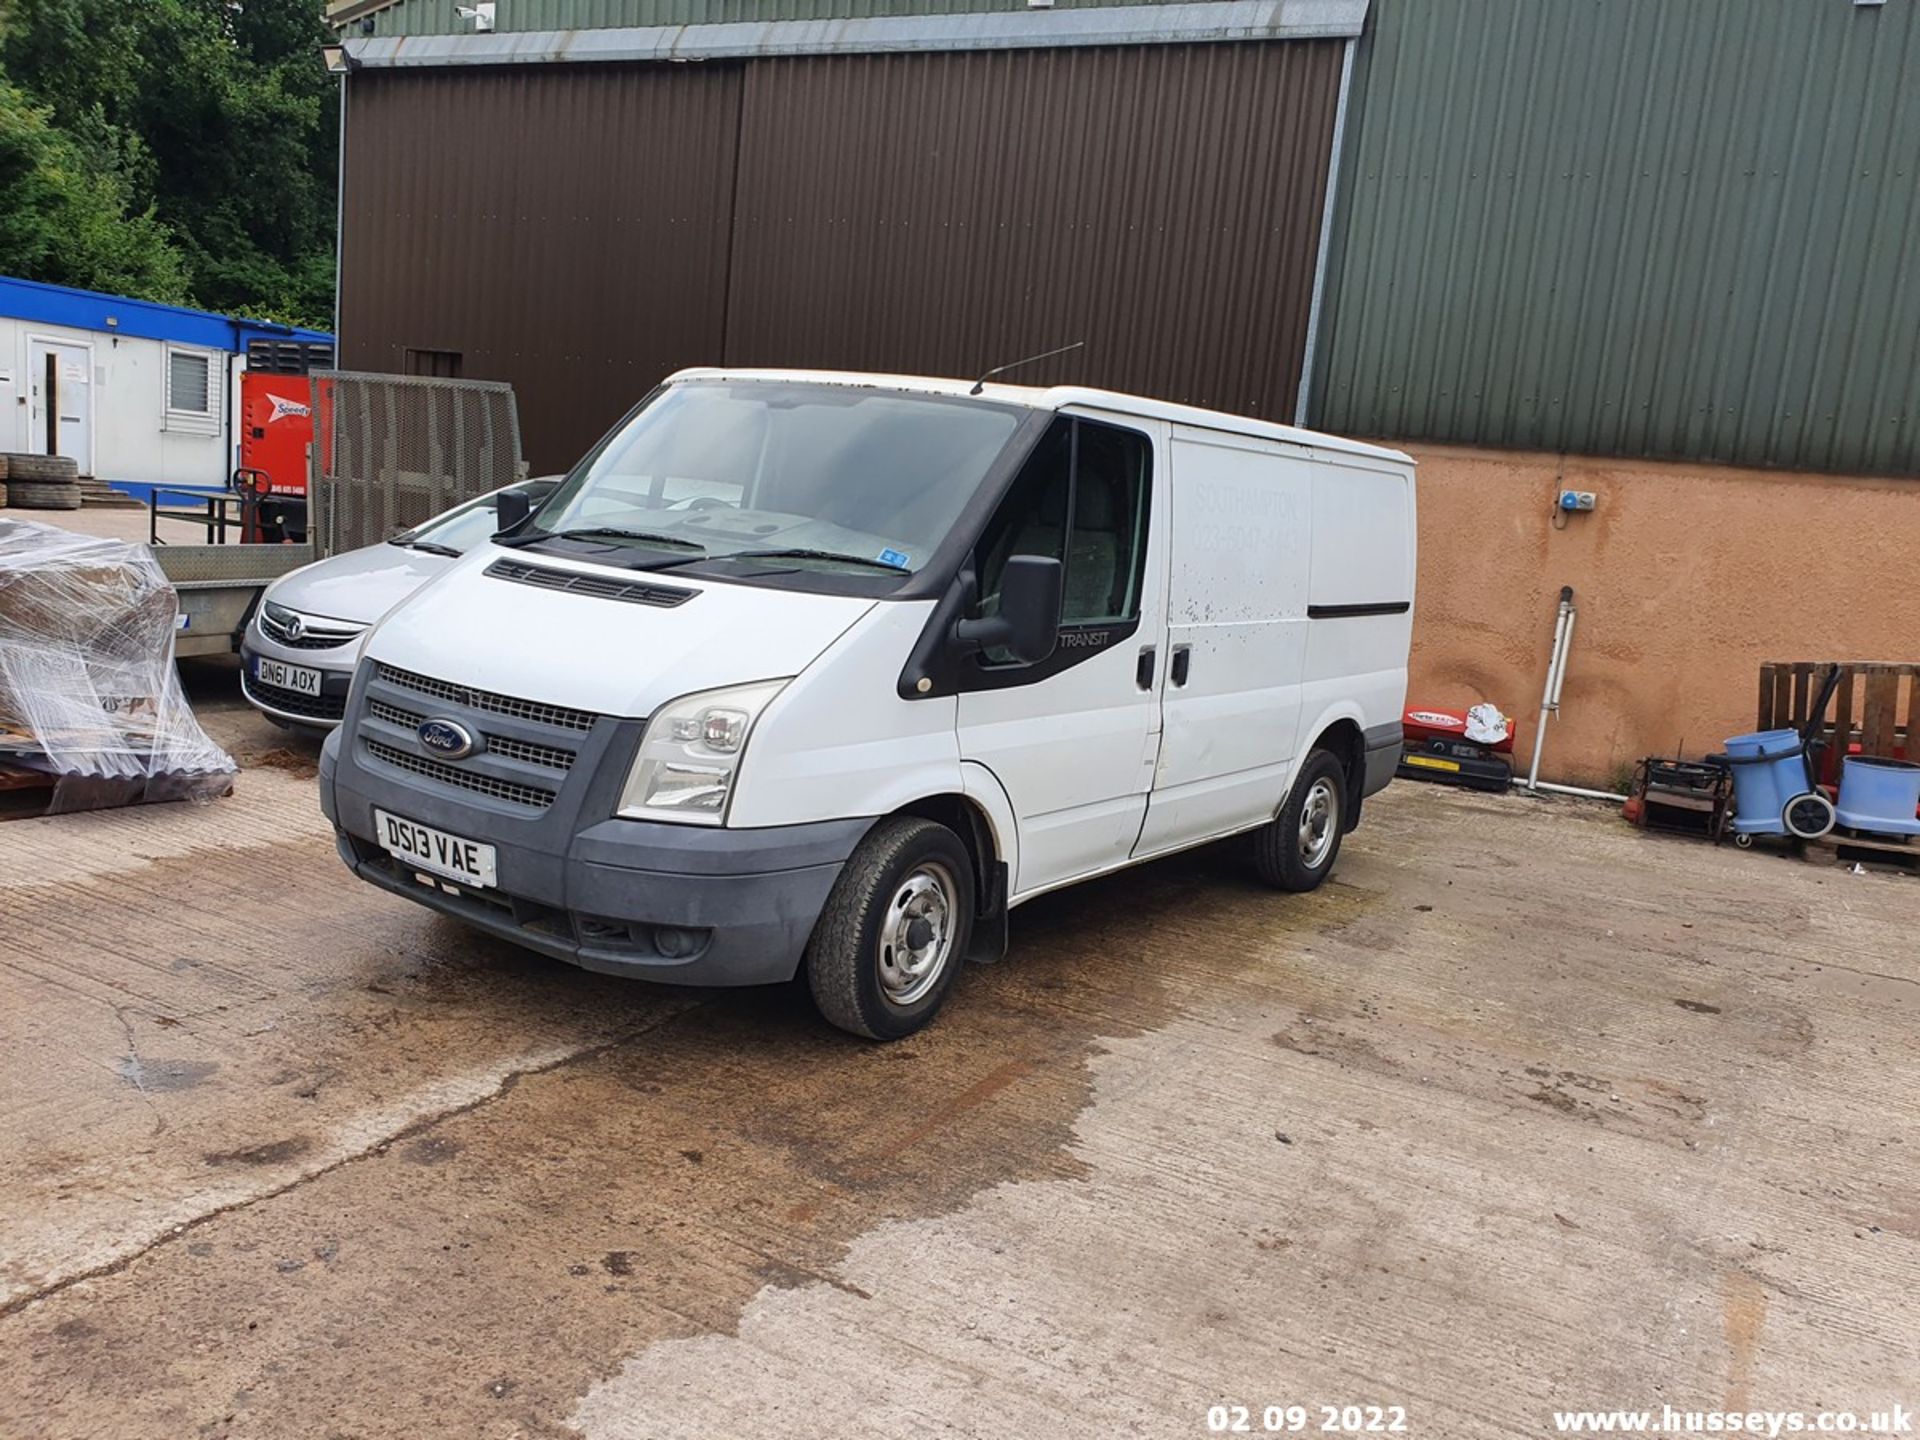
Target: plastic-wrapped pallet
[{"x": 88, "y": 693}]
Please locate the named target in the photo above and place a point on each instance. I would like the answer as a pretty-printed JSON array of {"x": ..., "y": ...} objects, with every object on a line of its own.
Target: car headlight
[{"x": 691, "y": 752}]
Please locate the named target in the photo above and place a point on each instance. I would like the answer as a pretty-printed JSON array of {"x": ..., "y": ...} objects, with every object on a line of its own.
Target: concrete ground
[{"x": 1523, "y": 1111}]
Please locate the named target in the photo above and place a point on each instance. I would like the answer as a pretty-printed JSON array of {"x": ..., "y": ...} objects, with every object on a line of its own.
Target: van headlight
[{"x": 690, "y": 753}]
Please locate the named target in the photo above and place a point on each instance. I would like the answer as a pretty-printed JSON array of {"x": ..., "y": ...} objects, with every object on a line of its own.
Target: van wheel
[
  {"x": 895, "y": 930},
  {"x": 1296, "y": 850}
]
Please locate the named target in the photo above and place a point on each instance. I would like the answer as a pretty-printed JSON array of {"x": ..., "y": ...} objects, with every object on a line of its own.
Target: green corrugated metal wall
[
  {"x": 1666, "y": 228},
  {"x": 437, "y": 17}
]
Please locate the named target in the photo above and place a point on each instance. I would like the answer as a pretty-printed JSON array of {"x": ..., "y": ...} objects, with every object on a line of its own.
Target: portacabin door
[
  {"x": 1074, "y": 738},
  {"x": 1236, "y": 635},
  {"x": 60, "y": 387}
]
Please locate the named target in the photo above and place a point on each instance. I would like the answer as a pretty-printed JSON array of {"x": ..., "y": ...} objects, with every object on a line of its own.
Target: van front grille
[
  {"x": 531, "y": 796},
  {"x": 537, "y": 711},
  {"x": 530, "y": 752}
]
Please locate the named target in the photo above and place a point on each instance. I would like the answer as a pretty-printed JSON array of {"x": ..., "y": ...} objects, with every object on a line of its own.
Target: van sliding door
[{"x": 1236, "y": 635}]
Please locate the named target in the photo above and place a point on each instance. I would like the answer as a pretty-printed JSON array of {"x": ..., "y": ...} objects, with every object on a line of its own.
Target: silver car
[{"x": 299, "y": 650}]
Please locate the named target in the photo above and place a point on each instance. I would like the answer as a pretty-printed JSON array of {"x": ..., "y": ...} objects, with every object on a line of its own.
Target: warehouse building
[{"x": 1656, "y": 253}]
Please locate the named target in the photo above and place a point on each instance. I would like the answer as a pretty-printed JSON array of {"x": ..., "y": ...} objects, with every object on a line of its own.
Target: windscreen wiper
[
  {"x": 606, "y": 532},
  {"x": 791, "y": 553},
  {"x": 431, "y": 548}
]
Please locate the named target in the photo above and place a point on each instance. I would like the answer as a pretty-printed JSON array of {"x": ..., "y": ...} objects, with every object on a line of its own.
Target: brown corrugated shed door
[
  {"x": 941, "y": 213},
  {"x": 560, "y": 227},
  {"x": 581, "y": 231}
]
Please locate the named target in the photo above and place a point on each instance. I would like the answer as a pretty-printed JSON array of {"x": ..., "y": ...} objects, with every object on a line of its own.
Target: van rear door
[{"x": 1236, "y": 632}]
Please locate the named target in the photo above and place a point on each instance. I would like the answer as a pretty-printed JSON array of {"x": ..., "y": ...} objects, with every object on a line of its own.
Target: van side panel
[
  {"x": 1360, "y": 595},
  {"x": 1238, "y": 607}
]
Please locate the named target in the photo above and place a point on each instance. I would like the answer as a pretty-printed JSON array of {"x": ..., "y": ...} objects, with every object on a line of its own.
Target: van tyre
[
  {"x": 1296, "y": 850},
  {"x": 895, "y": 930},
  {"x": 39, "y": 495}
]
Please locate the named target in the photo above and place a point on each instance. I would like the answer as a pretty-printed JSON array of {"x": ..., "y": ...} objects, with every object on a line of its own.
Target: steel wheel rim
[
  {"x": 1317, "y": 824},
  {"x": 916, "y": 935}
]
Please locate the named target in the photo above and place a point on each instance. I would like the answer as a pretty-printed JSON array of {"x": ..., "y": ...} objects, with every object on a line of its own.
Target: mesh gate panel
[{"x": 392, "y": 451}]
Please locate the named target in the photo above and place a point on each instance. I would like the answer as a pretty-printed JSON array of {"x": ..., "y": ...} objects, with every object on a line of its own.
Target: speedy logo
[
  {"x": 1429, "y": 717},
  {"x": 285, "y": 409}
]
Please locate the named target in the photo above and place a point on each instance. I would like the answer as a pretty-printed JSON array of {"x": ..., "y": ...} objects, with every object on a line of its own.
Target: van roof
[{"x": 1060, "y": 397}]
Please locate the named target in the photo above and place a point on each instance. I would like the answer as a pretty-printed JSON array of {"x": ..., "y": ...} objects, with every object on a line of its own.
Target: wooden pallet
[
  {"x": 1847, "y": 846},
  {"x": 1876, "y": 706},
  {"x": 23, "y": 793}
]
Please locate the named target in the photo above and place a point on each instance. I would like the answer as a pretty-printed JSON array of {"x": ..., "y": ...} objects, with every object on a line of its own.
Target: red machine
[
  {"x": 1436, "y": 747},
  {"x": 276, "y": 431},
  {"x": 1425, "y": 725}
]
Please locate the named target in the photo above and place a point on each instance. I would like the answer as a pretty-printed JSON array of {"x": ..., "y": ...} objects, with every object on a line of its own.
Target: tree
[
  {"x": 66, "y": 219},
  {"x": 215, "y": 121}
]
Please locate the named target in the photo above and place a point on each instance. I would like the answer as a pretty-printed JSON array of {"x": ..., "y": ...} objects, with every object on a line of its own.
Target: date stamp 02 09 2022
[{"x": 1307, "y": 1419}]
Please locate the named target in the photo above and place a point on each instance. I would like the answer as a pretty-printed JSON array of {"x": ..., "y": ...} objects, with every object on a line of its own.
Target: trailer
[{"x": 388, "y": 452}]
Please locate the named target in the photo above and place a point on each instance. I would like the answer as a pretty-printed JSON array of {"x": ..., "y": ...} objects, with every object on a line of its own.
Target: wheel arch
[
  {"x": 1339, "y": 731},
  {"x": 981, "y": 833}
]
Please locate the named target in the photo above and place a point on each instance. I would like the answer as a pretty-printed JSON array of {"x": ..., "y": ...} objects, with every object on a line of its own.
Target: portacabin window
[{"x": 192, "y": 391}]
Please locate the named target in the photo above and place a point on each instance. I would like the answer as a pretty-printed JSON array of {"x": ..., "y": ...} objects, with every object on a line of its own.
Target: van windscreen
[{"x": 824, "y": 477}]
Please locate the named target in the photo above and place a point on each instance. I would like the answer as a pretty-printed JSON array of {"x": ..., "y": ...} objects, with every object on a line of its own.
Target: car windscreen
[
  {"x": 465, "y": 526},
  {"x": 824, "y": 477}
]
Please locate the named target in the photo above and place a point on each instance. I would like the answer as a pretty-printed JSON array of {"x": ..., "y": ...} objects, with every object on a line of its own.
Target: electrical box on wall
[{"x": 1577, "y": 499}]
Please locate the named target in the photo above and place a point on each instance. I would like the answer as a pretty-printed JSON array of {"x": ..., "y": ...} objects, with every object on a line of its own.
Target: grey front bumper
[{"x": 598, "y": 892}]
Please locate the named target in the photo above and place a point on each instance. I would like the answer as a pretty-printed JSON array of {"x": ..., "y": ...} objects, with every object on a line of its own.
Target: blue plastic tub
[
  {"x": 1882, "y": 795},
  {"x": 1761, "y": 790}
]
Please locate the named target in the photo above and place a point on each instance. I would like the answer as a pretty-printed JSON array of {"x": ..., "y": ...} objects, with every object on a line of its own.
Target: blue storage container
[
  {"x": 1882, "y": 795},
  {"x": 1762, "y": 789}
]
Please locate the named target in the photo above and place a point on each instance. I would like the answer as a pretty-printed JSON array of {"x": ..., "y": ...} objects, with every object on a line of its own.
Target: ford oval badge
[{"x": 448, "y": 739}]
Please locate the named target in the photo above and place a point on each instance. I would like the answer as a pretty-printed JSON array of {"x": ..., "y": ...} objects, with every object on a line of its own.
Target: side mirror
[
  {"x": 511, "y": 509},
  {"x": 1029, "y": 620}
]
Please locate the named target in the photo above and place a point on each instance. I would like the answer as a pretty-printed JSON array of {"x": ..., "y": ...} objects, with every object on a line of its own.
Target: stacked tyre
[{"x": 41, "y": 482}]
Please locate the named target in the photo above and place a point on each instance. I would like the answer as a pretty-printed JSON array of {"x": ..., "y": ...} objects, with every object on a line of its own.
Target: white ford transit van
[{"x": 827, "y": 672}]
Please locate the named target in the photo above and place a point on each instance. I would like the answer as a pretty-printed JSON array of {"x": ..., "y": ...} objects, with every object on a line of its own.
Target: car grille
[
  {"x": 291, "y": 702},
  {"x": 316, "y": 633},
  {"x": 551, "y": 757},
  {"x": 601, "y": 587},
  {"x": 531, "y": 796},
  {"x": 534, "y": 710}
]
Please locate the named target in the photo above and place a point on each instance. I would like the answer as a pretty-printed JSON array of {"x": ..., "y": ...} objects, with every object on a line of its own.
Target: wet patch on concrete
[
  {"x": 740, "y": 1146},
  {"x": 158, "y": 1076},
  {"x": 430, "y": 1150},
  {"x": 273, "y": 1152}
]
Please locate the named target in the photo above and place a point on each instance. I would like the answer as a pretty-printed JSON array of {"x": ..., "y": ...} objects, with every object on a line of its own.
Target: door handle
[
  {"x": 1182, "y": 657},
  {"x": 1143, "y": 670}
]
